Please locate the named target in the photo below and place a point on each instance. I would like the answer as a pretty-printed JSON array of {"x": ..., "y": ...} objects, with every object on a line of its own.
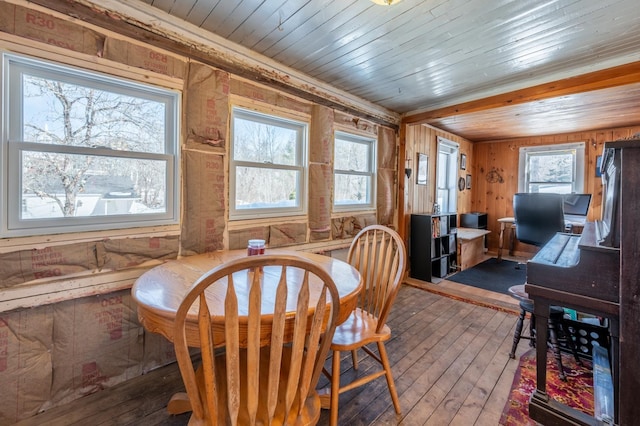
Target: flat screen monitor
[{"x": 577, "y": 204}]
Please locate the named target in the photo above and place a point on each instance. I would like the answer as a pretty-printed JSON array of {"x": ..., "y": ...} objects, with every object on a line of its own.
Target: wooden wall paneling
[
  {"x": 490, "y": 161},
  {"x": 465, "y": 202},
  {"x": 420, "y": 198},
  {"x": 481, "y": 186},
  {"x": 426, "y": 194},
  {"x": 501, "y": 156}
]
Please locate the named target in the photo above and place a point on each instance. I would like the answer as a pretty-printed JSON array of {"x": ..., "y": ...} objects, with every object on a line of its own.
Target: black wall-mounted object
[{"x": 474, "y": 220}]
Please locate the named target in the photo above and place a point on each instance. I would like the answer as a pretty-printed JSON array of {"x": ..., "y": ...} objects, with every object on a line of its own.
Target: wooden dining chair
[
  {"x": 263, "y": 366},
  {"x": 379, "y": 254}
]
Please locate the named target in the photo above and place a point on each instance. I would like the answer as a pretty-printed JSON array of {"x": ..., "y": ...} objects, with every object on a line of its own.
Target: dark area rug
[
  {"x": 576, "y": 392},
  {"x": 492, "y": 275}
]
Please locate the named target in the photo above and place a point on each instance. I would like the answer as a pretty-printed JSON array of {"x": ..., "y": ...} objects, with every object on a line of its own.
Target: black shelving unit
[{"x": 433, "y": 249}]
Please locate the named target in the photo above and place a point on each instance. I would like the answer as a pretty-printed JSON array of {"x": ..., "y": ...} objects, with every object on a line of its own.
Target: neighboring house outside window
[
  {"x": 354, "y": 172},
  {"x": 84, "y": 151},
  {"x": 552, "y": 168},
  {"x": 267, "y": 168}
]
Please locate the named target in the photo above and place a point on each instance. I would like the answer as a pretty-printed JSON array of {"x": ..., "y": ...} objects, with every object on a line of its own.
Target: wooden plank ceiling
[{"x": 419, "y": 56}]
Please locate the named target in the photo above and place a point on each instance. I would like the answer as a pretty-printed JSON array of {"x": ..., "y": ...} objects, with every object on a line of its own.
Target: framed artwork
[
  {"x": 598, "y": 164},
  {"x": 423, "y": 169},
  {"x": 468, "y": 181},
  {"x": 463, "y": 162}
]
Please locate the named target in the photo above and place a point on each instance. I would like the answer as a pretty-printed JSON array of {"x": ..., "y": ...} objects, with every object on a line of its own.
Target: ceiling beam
[
  {"x": 603, "y": 79},
  {"x": 142, "y": 27}
]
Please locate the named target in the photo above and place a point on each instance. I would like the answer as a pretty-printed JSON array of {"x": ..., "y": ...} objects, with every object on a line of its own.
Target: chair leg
[
  {"x": 553, "y": 336},
  {"x": 354, "y": 358},
  {"x": 517, "y": 334},
  {"x": 389, "y": 376},
  {"x": 532, "y": 331},
  {"x": 335, "y": 388}
]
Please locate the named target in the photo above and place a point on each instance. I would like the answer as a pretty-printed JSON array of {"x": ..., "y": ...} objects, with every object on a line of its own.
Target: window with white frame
[
  {"x": 552, "y": 168},
  {"x": 447, "y": 173},
  {"x": 353, "y": 171},
  {"x": 267, "y": 165},
  {"x": 85, "y": 151}
]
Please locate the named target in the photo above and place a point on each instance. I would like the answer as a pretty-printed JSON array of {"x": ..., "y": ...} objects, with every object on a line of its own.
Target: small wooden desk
[
  {"x": 159, "y": 291},
  {"x": 470, "y": 247},
  {"x": 505, "y": 222}
]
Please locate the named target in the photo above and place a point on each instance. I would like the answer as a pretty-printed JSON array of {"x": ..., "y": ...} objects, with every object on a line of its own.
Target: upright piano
[{"x": 597, "y": 272}]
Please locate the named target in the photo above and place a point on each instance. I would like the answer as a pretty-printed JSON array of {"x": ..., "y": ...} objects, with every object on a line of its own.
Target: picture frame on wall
[
  {"x": 463, "y": 162},
  {"x": 423, "y": 169},
  {"x": 468, "y": 181}
]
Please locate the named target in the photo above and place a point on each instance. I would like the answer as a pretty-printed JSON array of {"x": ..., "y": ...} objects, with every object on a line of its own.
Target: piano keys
[{"x": 577, "y": 264}]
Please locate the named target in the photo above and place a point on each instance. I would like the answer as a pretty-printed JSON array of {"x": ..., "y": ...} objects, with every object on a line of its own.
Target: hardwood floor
[{"x": 449, "y": 359}]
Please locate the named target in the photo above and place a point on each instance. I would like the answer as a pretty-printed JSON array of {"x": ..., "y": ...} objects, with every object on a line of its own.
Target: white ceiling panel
[{"x": 418, "y": 55}]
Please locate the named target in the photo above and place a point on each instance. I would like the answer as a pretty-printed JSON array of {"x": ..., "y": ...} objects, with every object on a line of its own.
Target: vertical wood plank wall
[
  {"x": 493, "y": 166},
  {"x": 419, "y": 198},
  {"x": 496, "y": 197}
]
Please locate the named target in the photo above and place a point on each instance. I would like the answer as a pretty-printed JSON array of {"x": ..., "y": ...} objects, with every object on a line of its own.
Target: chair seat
[
  {"x": 359, "y": 329},
  {"x": 518, "y": 292},
  {"x": 555, "y": 312}
]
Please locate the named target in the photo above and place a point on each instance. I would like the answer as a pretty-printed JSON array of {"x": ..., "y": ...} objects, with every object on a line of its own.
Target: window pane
[
  {"x": 264, "y": 143},
  {"x": 352, "y": 156},
  {"x": 351, "y": 189},
  {"x": 62, "y": 113},
  {"x": 551, "y": 188},
  {"x": 442, "y": 199},
  {"x": 443, "y": 170},
  {"x": 266, "y": 188},
  {"x": 70, "y": 185},
  {"x": 551, "y": 167}
]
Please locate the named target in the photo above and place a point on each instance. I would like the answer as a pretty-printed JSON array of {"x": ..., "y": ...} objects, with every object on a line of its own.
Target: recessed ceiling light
[{"x": 386, "y": 2}]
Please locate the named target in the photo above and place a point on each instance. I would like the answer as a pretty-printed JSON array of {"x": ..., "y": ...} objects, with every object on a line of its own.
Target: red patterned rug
[{"x": 576, "y": 392}]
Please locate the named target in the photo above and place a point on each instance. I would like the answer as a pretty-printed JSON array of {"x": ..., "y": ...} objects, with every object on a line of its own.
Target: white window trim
[
  {"x": 357, "y": 138},
  {"x": 453, "y": 149},
  {"x": 10, "y": 226},
  {"x": 579, "y": 177},
  {"x": 273, "y": 115}
]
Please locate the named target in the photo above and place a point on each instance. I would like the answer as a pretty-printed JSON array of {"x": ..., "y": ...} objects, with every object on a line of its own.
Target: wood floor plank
[
  {"x": 449, "y": 360},
  {"x": 466, "y": 382},
  {"x": 492, "y": 410},
  {"x": 448, "y": 368},
  {"x": 151, "y": 390},
  {"x": 475, "y": 401},
  {"x": 427, "y": 369},
  {"x": 411, "y": 341}
]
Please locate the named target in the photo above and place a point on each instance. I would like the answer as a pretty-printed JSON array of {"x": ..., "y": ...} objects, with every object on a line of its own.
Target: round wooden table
[{"x": 159, "y": 291}]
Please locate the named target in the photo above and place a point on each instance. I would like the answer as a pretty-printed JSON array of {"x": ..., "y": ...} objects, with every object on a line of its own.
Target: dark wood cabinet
[{"x": 433, "y": 246}]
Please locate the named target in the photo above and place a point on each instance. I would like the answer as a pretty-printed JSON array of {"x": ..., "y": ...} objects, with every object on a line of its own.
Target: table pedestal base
[{"x": 179, "y": 403}]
